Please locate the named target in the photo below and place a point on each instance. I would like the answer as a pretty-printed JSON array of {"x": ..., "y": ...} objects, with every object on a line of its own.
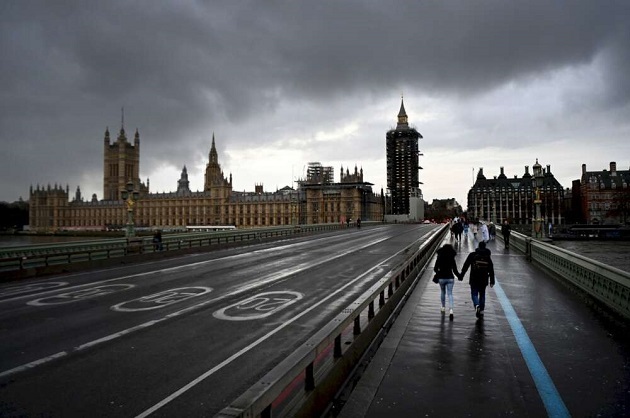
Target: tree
[{"x": 13, "y": 215}]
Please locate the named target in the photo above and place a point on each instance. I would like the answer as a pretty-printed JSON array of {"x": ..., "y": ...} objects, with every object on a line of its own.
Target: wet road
[{"x": 184, "y": 336}]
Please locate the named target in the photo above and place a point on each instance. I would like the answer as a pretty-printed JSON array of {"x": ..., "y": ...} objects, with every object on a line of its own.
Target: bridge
[{"x": 334, "y": 322}]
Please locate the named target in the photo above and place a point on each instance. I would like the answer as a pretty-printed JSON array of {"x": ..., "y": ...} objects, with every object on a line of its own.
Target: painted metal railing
[
  {"x": 45, "y": 255},
  {"x": 306, "y": 381},
  {"x": 607, "y": 284}
]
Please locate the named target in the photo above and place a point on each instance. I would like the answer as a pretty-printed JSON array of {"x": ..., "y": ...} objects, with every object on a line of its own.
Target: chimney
[
  {"x": 502, "y": 171},
  {"x": 613, "y": 168},
  {"x": 583, "y": 169}
]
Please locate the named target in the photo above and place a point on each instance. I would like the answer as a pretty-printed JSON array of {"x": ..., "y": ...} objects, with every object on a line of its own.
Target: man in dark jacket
[
  {"x": 481, "y": 268},
  {"x": 506, "y": 230}
]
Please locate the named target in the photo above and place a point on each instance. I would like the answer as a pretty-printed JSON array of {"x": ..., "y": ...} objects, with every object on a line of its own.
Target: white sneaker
[
  {"x": 442, "y": 309},
  {"x": 450, "y": 315}
]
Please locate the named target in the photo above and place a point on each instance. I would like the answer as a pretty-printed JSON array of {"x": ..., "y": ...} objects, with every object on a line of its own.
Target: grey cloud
[{"x": 185, "y": 68}]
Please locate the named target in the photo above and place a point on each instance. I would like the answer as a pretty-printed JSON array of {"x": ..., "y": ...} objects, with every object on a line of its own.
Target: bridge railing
[
  {"x": 306, "y": 381},
  {"x": 23, "y": 258},
  {"x": 605, "y": 283}
]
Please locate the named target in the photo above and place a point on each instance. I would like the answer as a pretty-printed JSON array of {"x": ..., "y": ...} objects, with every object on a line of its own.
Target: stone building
[
  {"x": 503, "y": 198},
  {"x": 605, "y": 195},
  {"x": 326, "y": 202},
  {"x": 317, "y": 200}
]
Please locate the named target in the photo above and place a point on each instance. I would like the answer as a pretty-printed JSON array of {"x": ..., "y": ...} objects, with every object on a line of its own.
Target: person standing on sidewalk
[
  {"x": 506, "y": 230},
  {"x": 481, "y": 268},
  {"x": 445, "y": 271},
  {"x": 485, "y": 234}
]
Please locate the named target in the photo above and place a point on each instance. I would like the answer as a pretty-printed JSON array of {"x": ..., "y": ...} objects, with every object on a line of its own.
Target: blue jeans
[
  {"x": 478, "y": 295},
  {"x": 446, "y": 285}
]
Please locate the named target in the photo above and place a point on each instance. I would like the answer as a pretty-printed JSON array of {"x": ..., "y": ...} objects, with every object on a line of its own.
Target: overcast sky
[{"x": 283, "y": 83}]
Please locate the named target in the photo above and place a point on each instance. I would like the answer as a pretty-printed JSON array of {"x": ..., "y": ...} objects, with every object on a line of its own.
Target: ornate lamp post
[
  {"x": 537, "y": 224},
  {"x": 493, "y": 217},
  {"x": 130, "y": 196}
]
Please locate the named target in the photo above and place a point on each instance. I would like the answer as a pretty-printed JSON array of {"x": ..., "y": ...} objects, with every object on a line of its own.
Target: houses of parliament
[{"x": 317, "y": 199}]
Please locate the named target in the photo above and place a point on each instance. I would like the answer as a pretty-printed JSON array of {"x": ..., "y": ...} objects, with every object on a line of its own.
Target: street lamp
[
  {"x": 130, "y": 196},
  {"x": 537, "y": 221},
  {"x": 493, "y": 216}
]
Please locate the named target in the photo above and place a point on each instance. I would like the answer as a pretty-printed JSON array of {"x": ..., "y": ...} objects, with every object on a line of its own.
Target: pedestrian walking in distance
[
  {"x": 481, "y": 269},
  {"x": 506, "y": 230},
  {"x": 445, "y": 271}
]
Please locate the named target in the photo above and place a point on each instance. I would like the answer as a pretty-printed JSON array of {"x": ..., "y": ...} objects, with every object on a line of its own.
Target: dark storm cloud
[{"x": 183, "y": 68}]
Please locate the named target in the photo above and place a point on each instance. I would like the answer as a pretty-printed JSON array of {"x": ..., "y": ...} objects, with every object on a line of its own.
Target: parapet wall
[{"x": 607, "y": 284}]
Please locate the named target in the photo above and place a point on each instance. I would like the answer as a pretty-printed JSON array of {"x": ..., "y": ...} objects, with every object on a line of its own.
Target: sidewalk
[{"x": 430, "y": 366}]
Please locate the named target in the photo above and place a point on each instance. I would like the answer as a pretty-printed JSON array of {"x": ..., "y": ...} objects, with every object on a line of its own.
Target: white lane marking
[
  {"x": 258, "y": 306},
  {"x": 247, "y": 348},
  {"x": 161, "y": 299},
  {"x": 269, "y": 279},
  {"x": 175, "y": 268},
  {"x": 33, "y": 364},
  {"x": 16, "y": 290},
  {"x": 82, "y": 294}
]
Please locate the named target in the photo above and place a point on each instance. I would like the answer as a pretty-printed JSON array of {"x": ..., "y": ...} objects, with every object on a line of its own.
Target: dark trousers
[{"x": 478, "y": 295}]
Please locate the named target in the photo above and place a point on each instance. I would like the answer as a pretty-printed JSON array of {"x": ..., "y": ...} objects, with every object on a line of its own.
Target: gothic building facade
[
  {"x": 317, "y": 199},
  {"x": 502, "y": 198}
]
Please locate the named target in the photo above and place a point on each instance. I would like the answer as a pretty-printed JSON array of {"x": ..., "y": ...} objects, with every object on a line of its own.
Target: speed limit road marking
[
  {"x": 258, "y": 306},
  {"x": 161, "y": 299}
]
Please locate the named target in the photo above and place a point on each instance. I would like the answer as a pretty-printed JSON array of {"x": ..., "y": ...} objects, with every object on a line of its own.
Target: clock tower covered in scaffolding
[{"x": 402, "y": 164}]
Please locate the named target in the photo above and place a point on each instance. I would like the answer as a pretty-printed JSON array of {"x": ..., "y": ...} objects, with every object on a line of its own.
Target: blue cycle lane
[{"x": 541, "y": 350}]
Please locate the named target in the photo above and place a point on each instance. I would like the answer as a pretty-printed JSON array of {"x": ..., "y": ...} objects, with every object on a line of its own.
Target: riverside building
[
  {"x": 604, "y": 195},
  {"x": 318, "y": 199},
  {"x": 502, "y": 198}
]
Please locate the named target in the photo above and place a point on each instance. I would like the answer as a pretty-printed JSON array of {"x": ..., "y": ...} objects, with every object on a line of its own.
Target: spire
[
  {"x": 402, "y": 114},
  {"x": 214, "y": 157},
  {"x": 121, "y": 136}
]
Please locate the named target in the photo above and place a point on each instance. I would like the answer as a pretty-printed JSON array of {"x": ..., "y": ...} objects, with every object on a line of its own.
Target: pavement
[{"x": 542, "y": 349}]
